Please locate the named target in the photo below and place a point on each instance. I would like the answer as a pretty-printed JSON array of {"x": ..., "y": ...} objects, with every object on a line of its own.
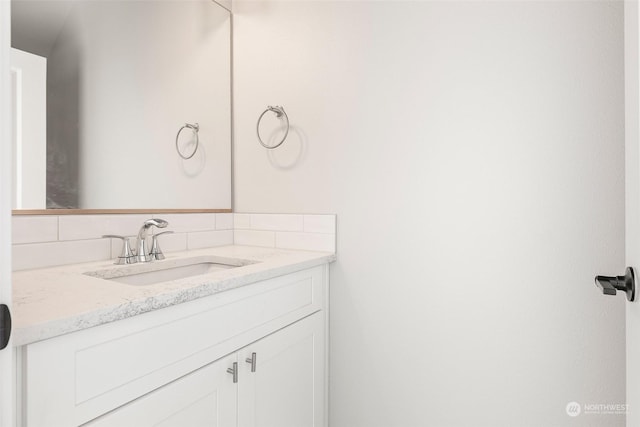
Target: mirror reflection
[{"x": 101, "y": 89}]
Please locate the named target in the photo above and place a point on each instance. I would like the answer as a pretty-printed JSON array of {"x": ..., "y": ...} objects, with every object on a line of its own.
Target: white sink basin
[
  {"x": 167, "y": 270},
  {"x": 174, "y": 273}
]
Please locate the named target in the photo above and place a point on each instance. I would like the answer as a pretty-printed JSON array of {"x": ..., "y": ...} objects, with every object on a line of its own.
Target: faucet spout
[{"x": 143, "y": 254}]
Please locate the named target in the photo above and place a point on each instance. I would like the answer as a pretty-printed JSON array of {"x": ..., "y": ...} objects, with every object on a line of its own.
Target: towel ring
[
  {"x": 279, "y": 111},
  {"x": 195, "y": 128}
]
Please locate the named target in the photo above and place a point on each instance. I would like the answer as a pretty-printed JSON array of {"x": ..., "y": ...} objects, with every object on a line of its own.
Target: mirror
[{"x": 101, "y": 89}]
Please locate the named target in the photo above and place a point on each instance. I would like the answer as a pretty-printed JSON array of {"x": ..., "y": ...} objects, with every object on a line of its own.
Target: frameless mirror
[{"x": 101, "y": 89}]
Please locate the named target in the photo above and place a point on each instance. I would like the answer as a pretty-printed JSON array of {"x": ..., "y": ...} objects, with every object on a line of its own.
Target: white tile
[
  {"x": 184, "y": 223},
  {"x": 254, "y": 238},
  {"x": 306, "y": 241},
  {"x": 210, "y": 239},
  {"x": 224, "y": 221},
  {"x": 172, "y": 242},
  {"x": 78, "y": 227},
  {"x": 241, "y": 221},
  {"x": 320, "y": 224},
  {"x": 38, "y": 255},
  {"x": 34, "y": 229},
  {"x": 277, "y": 222}
]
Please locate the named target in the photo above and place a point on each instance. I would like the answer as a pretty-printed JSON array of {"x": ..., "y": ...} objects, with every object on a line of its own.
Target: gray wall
[{"x": 474, "y": 154}]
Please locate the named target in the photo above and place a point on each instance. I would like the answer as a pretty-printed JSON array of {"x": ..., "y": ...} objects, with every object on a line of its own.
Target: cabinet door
[
  {"x": 287, "y": 388},
  {"x": 206, "y": 397}
]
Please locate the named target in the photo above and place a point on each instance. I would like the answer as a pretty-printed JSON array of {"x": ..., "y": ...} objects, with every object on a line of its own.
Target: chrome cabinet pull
[
  {"x": 234, "y": 371},
  {"x": 252, "y": 360}
]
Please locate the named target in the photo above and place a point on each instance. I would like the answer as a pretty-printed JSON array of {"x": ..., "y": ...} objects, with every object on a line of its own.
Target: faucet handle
[
  {"x": 156, "y": 252},
  {"x": 126, "y": 256}
]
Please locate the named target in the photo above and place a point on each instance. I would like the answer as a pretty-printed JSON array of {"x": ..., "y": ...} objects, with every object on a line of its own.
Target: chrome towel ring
[
  {"x": 195, "y": 128},
  {"x": 279, "y": 111}
]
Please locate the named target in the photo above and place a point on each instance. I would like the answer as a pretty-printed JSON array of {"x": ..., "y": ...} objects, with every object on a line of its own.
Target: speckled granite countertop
[{"x": 54, "y": 301}]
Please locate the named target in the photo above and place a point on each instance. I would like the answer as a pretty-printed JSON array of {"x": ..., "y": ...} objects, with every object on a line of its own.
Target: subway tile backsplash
[
  {"x": 34, "y": 229},
  {"x": 82, "y": 227},
  {"x": 285, "y": 231},
  {"x": 224, "y": 221},
  {"x": 277, "y": 222},
  {"x": 50, "y": 240},
  {"x": 208, "y": 239},
  {"x": 70, "y": 239},
  {"x": 324, "y": 224},
  {"x": 304, "y": 241},
  {"x": 50, "y": 254},
  {"x": 254, "y": 238},
  {"x": 189, "y": 222}
]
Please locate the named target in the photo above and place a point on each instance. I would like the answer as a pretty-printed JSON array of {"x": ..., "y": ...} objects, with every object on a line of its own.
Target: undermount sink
[
  {"x": 173, "y": 273},
  {"x": 167, "y": 270}
]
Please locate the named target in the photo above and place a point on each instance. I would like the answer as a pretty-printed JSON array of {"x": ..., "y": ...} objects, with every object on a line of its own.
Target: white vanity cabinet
[
  {"x": 286, "y": 388},
  {"x": 283, "y": 390},
  {"x": 169, "y": 367}
]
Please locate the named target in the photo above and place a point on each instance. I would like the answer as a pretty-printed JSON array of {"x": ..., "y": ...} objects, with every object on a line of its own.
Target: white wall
[
  {"x": 632, "y": 193},
  {"x": 474, "y": 155},
  {"x": 126, "y": 144}
]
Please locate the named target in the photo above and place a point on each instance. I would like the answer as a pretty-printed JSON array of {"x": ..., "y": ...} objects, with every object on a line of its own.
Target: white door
[
  {"x": 204, "y": 398},
  {"x": 29, "y": 114},
  {"x": 6, "y": 355},
  {"x": 286, "y": 388}
]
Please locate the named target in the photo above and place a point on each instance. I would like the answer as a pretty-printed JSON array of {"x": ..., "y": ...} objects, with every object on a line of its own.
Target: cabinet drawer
[{"x": 76, "y": 377}]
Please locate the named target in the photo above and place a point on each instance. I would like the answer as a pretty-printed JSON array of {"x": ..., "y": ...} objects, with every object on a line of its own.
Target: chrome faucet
[
  {"x": 141, "y": 244},
  {"x": 127, "y": 256}
]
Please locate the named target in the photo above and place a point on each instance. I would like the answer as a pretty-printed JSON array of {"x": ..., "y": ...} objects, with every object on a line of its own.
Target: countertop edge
[{"x": 100, "y": 316}]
